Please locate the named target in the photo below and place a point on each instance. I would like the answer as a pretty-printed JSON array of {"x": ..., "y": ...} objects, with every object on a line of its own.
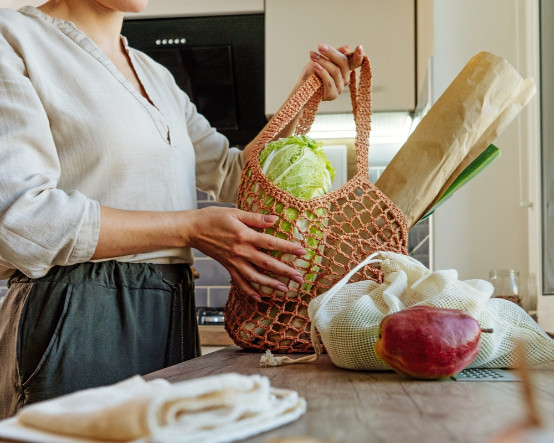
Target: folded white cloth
[{"x": 220, "y": 408}]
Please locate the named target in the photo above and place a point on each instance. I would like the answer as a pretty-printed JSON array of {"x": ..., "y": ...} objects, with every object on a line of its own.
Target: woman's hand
[
  {"x": 333, "y": 67},
  {"x": 226, "y": 235}
]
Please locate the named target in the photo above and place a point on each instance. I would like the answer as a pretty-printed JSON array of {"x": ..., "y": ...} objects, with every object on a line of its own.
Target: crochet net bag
[{"x": 337, "y": 230}]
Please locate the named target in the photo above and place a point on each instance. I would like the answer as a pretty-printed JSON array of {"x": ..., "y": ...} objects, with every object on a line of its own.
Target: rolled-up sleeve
[{"x": 40, "y": 225}]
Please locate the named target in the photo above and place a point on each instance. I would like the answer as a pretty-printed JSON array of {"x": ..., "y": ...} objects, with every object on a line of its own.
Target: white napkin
[{"x": 220, "y": 408}]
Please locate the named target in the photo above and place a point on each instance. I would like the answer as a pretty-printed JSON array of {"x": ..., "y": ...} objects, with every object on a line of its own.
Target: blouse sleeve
[
  {"x": 40, "y": 225},
  {"x": 218, "y": 166}
]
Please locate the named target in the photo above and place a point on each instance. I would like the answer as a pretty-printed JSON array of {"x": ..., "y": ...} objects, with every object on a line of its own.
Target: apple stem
[{"x": 487, "y": 330}]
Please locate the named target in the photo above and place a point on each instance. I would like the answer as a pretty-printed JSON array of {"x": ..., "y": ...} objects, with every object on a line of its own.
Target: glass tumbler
[{"x": 506, "y": 284}]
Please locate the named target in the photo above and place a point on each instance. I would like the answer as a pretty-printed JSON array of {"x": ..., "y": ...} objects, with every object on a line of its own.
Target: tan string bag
[{"x": 338, "y": 230}]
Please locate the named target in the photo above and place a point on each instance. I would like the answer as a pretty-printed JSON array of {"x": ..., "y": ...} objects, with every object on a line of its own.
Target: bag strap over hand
[{"x": 306, "y": 100}]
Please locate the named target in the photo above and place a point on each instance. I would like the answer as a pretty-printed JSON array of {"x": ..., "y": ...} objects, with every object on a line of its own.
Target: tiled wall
[
  {"x": 212, "y": 287},
  {"x": 419, "y": 242}
]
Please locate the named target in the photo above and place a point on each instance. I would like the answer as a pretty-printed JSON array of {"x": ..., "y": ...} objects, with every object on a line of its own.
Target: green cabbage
[{"x": 298, "y": 165}]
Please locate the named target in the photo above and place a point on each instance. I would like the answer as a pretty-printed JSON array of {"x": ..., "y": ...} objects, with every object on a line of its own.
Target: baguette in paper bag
[{"x": 477, "y": 106}]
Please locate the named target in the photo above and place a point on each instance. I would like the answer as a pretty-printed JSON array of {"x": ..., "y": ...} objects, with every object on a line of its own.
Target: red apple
[{"x": 426, "y": 342}]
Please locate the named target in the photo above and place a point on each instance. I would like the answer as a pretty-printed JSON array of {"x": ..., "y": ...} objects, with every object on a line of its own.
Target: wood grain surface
[
  {"x": 214, "y": 335},
  {"x": 351, "y": 406}
]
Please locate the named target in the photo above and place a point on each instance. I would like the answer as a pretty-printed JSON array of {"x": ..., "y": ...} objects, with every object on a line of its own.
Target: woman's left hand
[{"x": 333, "y": 66}]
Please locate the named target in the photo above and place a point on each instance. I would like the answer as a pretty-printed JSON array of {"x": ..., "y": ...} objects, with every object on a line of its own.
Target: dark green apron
[{"x": 92, "y": 324}]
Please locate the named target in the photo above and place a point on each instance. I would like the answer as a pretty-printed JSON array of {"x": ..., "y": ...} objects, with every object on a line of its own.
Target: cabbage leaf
[{"x": 298, "y": 165}]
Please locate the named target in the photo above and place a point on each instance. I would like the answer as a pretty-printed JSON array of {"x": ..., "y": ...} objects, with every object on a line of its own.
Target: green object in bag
[
  {"x": 298, "y": 165},
  {"x": 477, "y": 165}
]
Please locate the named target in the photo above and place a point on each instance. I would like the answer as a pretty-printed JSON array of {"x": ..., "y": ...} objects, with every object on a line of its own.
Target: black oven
[{"x": 218, "y": 61}]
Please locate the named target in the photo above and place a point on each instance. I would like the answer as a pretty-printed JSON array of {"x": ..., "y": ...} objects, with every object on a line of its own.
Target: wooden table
[{"x": 352, "y": 406}]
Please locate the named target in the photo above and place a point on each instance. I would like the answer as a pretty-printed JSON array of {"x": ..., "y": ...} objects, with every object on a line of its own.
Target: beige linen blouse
[{"x": 75, "y": 134}]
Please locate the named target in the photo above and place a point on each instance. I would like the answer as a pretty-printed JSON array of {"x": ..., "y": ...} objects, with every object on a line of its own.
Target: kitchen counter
[
  {"x": 214, "y": 335},
  {"x": 381, "y": 406},
  {"x": 213, "y": 338}
]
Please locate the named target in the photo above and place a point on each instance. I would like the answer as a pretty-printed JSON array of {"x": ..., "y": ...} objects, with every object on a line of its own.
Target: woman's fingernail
[
  {"x": 298, "y": 279},
  {"x": 314, "y": 56},
  {"x": 300, "y": 251},
  {"x": 360, "y": 49},
  {"x": 270, "y": 218},
  {"x": 282, "y": 288},
  {"x": 323, "y": 47},
  {"x": 318, "y": 67}
]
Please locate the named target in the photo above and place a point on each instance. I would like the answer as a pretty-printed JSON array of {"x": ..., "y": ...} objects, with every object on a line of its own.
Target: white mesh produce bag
[{"x": 348, "y": 315}]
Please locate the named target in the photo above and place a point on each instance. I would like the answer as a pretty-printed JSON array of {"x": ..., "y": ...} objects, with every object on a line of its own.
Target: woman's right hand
[{"x": 228, "y": 236}]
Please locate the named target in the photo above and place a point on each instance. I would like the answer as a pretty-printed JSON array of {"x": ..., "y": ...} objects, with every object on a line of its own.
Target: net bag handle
[{"x": 307, "y": 99}]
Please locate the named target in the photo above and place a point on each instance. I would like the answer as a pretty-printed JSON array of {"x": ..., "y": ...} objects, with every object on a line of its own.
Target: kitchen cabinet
[
  {"x": 214, "y": 335},
  {"x": 213, "y": 338},
  {"x": 173, "y": 8},
  {"x": 16, "y": 4},
  {"x": 386, "y": 30}
]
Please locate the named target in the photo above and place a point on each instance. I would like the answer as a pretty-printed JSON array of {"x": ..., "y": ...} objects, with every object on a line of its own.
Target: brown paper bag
[{"x": 478, "y": 105}]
